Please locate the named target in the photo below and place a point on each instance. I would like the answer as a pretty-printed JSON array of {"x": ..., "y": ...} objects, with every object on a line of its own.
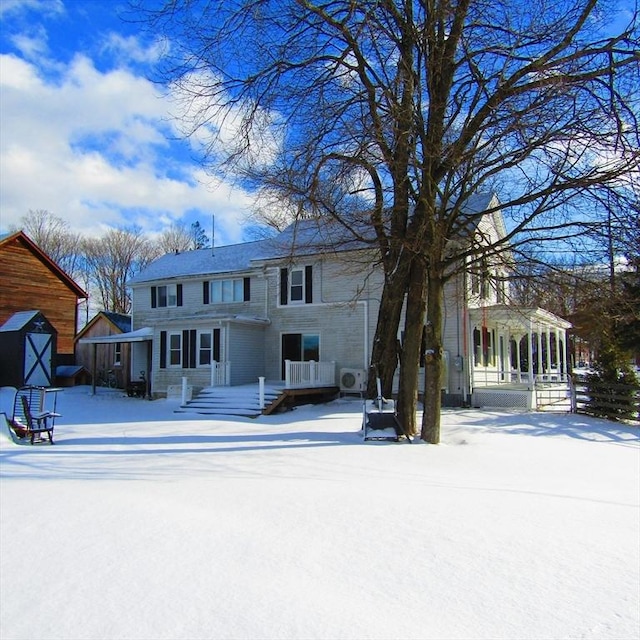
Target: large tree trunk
[
  {"x": 411, "y": 347},
  {"x": 433, "y": 361},
  {"x": 385, "y": 350}
]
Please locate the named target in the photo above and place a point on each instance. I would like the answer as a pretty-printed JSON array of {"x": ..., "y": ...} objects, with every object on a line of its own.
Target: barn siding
[{"x": 27, "y": 283}]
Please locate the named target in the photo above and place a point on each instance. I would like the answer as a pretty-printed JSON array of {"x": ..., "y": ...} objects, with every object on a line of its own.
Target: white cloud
[
  {"x": 129, "y": 49},
  {"x": 48, "y": 7},
  {"x": 91, "y": 147}
]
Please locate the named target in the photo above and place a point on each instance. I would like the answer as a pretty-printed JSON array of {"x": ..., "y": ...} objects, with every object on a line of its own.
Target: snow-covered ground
[{"x": 144, "y": 524}]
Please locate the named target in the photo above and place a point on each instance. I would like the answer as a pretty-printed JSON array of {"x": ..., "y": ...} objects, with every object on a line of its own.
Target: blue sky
[{"x": 85, "y": 134}]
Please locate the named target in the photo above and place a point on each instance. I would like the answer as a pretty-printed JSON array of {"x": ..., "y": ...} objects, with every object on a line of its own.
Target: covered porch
[{"x": 518, "y": 357}]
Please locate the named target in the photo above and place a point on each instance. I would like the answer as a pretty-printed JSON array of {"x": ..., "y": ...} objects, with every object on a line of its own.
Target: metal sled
[{"x": 379, "y": 419}]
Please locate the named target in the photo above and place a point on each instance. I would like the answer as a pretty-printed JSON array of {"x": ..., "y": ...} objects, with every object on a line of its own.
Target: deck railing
[
  {"x": 309, "y": 374},
  {"x": 220, "y": 374}
]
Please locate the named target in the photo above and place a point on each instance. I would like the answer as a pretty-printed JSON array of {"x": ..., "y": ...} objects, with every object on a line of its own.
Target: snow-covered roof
[
  {"x": 228, "y": 259},
  {"x": 304, "y": 237},
  {"x": 18, "y": 320},
  {"x": 140, "y": 335}
]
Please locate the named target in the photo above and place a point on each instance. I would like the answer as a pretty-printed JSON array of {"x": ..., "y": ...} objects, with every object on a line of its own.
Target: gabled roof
[
  {"x": 305, "y": 237},
  {"x": 120, "y": 321},
  {"x": 22, "y": 238}
]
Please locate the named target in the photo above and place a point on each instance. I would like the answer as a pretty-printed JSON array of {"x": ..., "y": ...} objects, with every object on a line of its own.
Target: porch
[{"x": 518, "y": 358}]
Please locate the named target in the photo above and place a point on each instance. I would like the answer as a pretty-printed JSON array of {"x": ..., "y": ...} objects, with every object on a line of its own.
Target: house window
[
  {"x": 205, "y": 344},
  {"x": 233, "y": 290},
  {"x": 501, "y": 286},
  {"x": 227, "y": 290},
  {"x": 175, "y": 349},
  {"x": 296, "y": 285},
  {"x": 169, "y": 295},
  {"x": 117, "y": 354},
  {"x": 484, "y": 342}
]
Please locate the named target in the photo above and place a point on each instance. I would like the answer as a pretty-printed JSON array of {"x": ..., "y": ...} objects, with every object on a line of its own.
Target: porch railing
[
  {"x": 309, "y": 374},
  {"x": 220, "y": 374},
  {"x": 488, "y": 377}
]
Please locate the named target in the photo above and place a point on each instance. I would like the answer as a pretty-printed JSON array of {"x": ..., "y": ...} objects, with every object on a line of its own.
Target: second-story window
[
  {"x": 230, "y": 290},
  {"x": 296, "y": 285},
  {"x": 227, "y": 290},
  {"x": 169, "y": 295}
]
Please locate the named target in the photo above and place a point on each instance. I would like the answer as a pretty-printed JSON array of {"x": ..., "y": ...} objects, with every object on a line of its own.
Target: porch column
[
  {"x": 548, "y": 334},
  {"x": 530, "y": 346},
  {"x": 518, "y": 359},
  {"x": 539, "y": 358}
]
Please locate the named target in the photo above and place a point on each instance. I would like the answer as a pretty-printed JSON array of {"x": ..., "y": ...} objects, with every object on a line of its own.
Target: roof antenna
[{"x": 213, "y": 232}]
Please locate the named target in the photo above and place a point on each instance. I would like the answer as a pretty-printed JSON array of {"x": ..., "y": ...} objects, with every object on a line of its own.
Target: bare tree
[
  {"x": 179, "y": 237},
  {"x": 407, "y": 109},
  {"x": 112, "y": 260},
  {"x": 175, "y": 239},
  {"x": 55, "y": 237}
]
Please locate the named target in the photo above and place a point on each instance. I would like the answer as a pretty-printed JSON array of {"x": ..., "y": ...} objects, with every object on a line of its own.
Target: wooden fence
[{"x": 604, "y": 400}]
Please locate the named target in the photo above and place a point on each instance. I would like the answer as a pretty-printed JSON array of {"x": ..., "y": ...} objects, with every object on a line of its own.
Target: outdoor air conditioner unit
[{"x": 353, "y": 380}]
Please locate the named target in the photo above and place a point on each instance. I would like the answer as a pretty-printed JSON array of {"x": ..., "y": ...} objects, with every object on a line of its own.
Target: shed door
[{"x": 37, "y": 359}]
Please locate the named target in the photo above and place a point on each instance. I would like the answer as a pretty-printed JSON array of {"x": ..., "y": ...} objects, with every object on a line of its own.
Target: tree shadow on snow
[{"x": 538, "y": 424}]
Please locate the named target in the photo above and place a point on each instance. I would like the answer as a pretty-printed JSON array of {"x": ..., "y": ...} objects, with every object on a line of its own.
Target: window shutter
[
  {"x": 308, "y": 284},
  {"x": 205, "y": 292},
  {"x": 284, "y": 286},
  {"x": 247, "y": 289},
  {"x": 185, "y": 348},
  {"x": 179, "y": 295},
  {"x": 154, "y": 297},
  {"x": 163, "y": 349},
  {"x": 192, "y": 348},
  {"x": 216, "y": 345}
]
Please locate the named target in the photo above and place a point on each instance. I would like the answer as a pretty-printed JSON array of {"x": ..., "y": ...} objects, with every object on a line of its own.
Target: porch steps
[
  {"x": 241, "y": 400},
  {"x": 244, "y": 400}
]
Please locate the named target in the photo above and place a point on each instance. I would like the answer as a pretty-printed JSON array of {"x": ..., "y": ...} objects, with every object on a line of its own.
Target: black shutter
[
  {"x": 216, "y": 345},
  {"x": 308, "y": 284},
  {"x": 154, "y": 297},
  {"x": 179, "y": 295},
  {"x": 193, "y": 343},
  {"x": 163, "y": 349},
  {"x": 247, "y": 289},
  {"x": 205, "y": 292},
  {"x": 185, "y": 349},
  {"x": 284, "y": 285}
]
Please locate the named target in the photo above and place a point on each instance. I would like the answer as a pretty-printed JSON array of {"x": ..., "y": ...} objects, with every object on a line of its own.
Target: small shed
[
  {"x": 114, "y": 356},
  {"x": 28, "y": 343}
]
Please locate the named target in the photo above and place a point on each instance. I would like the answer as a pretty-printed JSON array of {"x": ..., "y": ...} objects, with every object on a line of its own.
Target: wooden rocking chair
[{"x": 33, "y": 425}]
